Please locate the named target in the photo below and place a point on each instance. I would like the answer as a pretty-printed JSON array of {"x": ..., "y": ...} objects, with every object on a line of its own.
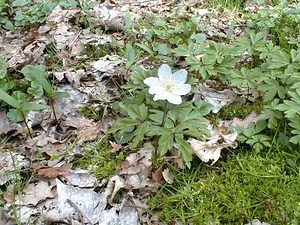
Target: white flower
[{"x": 168, "y": 86}]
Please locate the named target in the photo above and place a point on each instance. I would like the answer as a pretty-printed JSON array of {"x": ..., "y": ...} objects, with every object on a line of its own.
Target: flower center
[{"x": 170, "y": 84}]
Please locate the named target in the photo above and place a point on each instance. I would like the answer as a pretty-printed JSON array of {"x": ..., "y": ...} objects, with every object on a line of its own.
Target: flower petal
[
  {"x": 152, "y": 81},
  {"x": 182, "y": 89},
  {"x": 174, "y": 99},
  {"x": 180, "y": 76},
  {"x": 164, "y": 71},
  {"x": 159, "y": 97},
  {"x": 157, "y": 90}
]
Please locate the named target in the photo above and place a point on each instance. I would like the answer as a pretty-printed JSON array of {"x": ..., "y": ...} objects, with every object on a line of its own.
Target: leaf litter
[{"x": 58, "y": 193}]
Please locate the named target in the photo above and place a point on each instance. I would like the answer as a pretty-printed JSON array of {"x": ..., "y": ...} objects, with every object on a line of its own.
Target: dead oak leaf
[
  {"x": 53, "y": 172},
  {"x": 87, "y": 129}
]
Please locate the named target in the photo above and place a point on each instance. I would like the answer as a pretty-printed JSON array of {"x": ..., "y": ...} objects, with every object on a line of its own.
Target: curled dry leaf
[
  {"x": 211, "y": 149},
  {"x": 117, "y": 183},
  {"x": 168, "y": 176}
]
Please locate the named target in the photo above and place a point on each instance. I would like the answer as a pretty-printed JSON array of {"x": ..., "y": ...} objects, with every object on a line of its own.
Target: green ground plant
[
  {"x": 100, "y": 159},
  {"x": 264, "y": 59},
  {"x": 245, "y": 187}
]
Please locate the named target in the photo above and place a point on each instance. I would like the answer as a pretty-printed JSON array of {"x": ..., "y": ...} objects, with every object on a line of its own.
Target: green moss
[
  {"x": 100, "y": 160},
  {"x": 240, "y": 111},
  {"x": 91, "y": 113},
  {"x": 233, "y": 110},
  {"x": 98, "y": 51},
  {"x": 246, "y": 187}
]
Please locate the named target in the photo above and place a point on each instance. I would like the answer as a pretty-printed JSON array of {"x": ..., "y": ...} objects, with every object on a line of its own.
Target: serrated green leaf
[
  {"x": 123, "y": 124},
  {"x": 185, "y": 150},
  {"x": 143, "y": 111},
  {"x": 140, "y": 132},
  {"x": 181, "y": 50},
  {"x": 131, "y": 109},
  {"x": 165, "y": 143},
  {"x": 279, "y": 59}
]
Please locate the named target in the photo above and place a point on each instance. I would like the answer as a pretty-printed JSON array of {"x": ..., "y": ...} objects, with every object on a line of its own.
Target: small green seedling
[
  {"x": 37, "y": 75},
  {"x": 21, "y": 107}
]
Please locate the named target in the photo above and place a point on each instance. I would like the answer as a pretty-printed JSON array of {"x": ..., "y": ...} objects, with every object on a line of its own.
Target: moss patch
[
  {"x": 100, "y": 160},
  {"x": 246, "y": 187}
]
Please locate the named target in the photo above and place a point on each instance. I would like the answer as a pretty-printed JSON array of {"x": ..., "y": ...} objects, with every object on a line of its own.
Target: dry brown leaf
[
  {"x": 157, "y": 175},
  {"x": 6, "y": 126},
  {"x": 115, "y": 147},
  {"x": 9, "y": 196},
  {"x": 53, "y": 172}
]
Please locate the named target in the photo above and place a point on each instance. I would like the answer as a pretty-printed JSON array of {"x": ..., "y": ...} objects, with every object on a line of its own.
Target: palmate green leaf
[
  {"x": 37, "y": 73},
  {"x": 9, "y": 100},
  {"x": 291, "y": 108},
  {"x": 295, "y": 124},
  {"x": 3, "y": 68},
  {"x": 185, "y": 150},
  {"x": 279, "y": 59},
  {"x": 131, "y": 109},
  {"x": 123, "y": 124}
]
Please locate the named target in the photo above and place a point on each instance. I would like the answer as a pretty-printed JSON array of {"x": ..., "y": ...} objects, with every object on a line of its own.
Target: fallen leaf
[
  {"x": 211, "y": 149},
  {"x": 81, "y": 178},
  {"x": 85, "y": 203},
  {"x": 115, "y": 147},
  {"x": 157, "y": 175},
  {"x": 168, "y": 176},
  {"x": 37, "y": 192},
  {"x": 53, "y": 172},
  {"x": 206, "y": 151},
  {"x": 117, "y": 183},
  {"x": 9, "y": 196},
  {"x": 6, "y": 126}
]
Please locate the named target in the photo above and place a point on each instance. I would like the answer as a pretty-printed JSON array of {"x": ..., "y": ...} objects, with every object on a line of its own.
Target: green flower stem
[
  {"x": 166, "y": 110},
  {"x": 163, "y": 123}
]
